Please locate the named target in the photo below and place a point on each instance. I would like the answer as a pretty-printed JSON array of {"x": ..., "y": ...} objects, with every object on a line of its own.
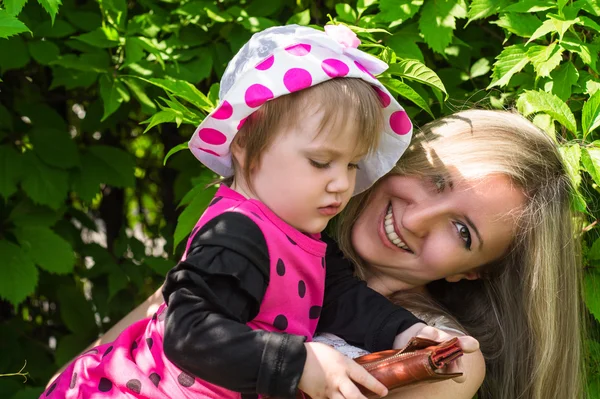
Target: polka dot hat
[{"x": 284, "y": 59}]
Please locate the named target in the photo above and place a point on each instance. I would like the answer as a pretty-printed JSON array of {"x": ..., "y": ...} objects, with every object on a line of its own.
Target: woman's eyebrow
[{"x": 472, "y": 225}]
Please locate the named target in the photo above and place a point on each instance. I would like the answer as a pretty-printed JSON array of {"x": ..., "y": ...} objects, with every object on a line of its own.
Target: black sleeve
[
  {"x": 355, "y": 312},
  {"x": 211, "y": 295}
]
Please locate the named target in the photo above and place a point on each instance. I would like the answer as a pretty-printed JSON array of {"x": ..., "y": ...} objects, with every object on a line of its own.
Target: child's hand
[
  {"x": 329, "y": 374},
  {"x": 467, "y": 343}
]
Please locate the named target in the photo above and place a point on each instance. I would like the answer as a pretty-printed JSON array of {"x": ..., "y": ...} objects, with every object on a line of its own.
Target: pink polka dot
[
  {"x": 297, "y": 79},
  {"x": 224, "y": 111},
  {"x": 362, "y": 68},
  {"x": 335, "y": 68},
  {"x": 209, "y": 151},
  {"x": 239, "y": 126},
  {"x": 298, "y": 49},
  {"x": 212, "y": 136},
  {"x": 400, "y": 123},
  {"x": 266, "y": 64},
  {"x": 383, "y": 97},
  {"x": 256, "y": 95}
]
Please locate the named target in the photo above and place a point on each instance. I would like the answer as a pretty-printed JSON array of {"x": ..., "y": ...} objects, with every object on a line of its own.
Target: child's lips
[{"x": 330, "y": 210}]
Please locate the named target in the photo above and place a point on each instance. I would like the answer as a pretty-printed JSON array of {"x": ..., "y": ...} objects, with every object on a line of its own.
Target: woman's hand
[
  {"x": 329, "y": 374},
  {"x": 467, "y": 343}
]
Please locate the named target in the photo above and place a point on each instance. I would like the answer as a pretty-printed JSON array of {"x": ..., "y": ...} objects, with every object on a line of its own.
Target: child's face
[{"x": 307, "y": 176}]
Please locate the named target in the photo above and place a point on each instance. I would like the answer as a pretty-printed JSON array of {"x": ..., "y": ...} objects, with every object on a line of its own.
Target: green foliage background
[{"x": 95, "y": 94}]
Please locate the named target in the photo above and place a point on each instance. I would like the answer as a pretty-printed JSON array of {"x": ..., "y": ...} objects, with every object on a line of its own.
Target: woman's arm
[
  {"x": 473, "y": 366},
  {"x": 144, "y": 310}
]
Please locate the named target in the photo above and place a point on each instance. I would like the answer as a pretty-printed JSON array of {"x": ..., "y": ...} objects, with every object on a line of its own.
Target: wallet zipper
[{"x": 388, "y": 359}]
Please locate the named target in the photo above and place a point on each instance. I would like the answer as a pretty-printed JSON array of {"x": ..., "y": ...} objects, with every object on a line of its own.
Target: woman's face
[{"x": 416, "y": 230}]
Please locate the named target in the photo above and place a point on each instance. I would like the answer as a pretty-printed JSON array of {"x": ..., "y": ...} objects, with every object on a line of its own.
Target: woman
[{"x": 472, "y": 231}]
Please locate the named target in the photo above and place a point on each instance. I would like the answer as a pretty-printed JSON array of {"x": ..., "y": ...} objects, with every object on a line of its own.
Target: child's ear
[
  {"x": 472, "y": 275},
  {"x": 238, "y": 154}
]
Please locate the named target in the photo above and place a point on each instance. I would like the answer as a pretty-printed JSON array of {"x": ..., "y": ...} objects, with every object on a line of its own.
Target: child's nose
[{"x": 340, "y": 183}]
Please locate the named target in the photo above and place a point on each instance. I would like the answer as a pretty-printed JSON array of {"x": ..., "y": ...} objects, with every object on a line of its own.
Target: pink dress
[{"x": 134, "y": 365}]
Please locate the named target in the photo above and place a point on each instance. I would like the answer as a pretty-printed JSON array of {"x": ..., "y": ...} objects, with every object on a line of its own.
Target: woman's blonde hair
[{"x": 526, "y": 309}]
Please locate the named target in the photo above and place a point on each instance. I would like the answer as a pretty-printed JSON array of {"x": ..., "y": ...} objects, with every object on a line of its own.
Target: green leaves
[
  {"x": 19, "y": 275},
  {"x": 51, "y": 6},
  {"x": 417, "y": 72},
  {"x": 10, "y": 26},
  {"x": 407, "y": 92},
  {"x": 590, "y": 119},
  {"x": 185, "y": 91},
  {"x": 47, "y": 249},
  {"x": 438, "y": 21},
  {"x": 55, "y": 147},
  {"x": 45, "y": 185},
  {"x": 510, "y": 61},
  {"x": 10, "y": 165},
  {"x": 531, "y": 102},
  {"x": 113, "y": 93}
]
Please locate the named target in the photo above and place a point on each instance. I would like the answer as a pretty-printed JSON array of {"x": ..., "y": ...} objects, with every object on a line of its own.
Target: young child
[{"x": 302, "y": 125}]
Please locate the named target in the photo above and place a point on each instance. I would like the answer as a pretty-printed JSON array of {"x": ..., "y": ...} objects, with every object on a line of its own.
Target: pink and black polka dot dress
[{"x": 135, "y": 365}]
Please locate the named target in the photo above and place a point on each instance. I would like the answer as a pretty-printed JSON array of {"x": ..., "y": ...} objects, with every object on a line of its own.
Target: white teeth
[{"x": 391, "y": 233}]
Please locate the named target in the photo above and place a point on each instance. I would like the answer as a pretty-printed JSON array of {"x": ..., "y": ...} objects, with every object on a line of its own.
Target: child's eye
[
  {"x": 319, "y": 165},
  {"x": 353, "y": 166}
]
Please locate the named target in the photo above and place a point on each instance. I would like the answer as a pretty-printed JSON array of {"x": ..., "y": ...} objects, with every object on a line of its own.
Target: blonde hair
[
  {"x": 526, "y": 309},
  {"x": 344, "y": 102}
]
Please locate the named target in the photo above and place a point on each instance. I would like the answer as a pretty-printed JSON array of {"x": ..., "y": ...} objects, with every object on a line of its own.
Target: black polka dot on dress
[
  {"x": 105, "y": 385},
  {"x": 280, "y": 267},
  {"x": 280, "y": 322},
  {"x": 134, "y": 385}
]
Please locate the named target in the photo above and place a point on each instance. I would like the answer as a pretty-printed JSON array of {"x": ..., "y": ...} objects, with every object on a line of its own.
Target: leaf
[
  {"x": 160, "y": 265},
  {"x": 531, "y": 102},
  {"x": 19, "y": 55},
  {"x": 26, "y": 213},
  {"x": 530, "y": 6},
  {"x": 510, "y": 61},
  {"x": 101, "y": 38},
  {"x": 588, "y": 52},
  {"x": 118, "y": 165},
  {"x": 14, "y": 7},
  {"x": 407, "y": 92},
  {"x": 95, "y": 62},
  {"x": 164, "y": 116},
  {"x": 55, "y": 147},
  {"x": 47, "y": 249},
  {"x": 185, "y": 91},
  {"x": 301, "y": 18},
  {"x": 438, "y": 21},
  {"x": 188, "y": 218},
  {"x": 10, "y": 25},
  {"x": 75, "y": 310},
  {"x": 113, "y": 93},
  {"x": 588, "y": 23},
  {"x": 43, "y": 51},
  {"x": 590, "y": 158},
  {"x": 546, "y": 27},
  {"x": 590, "y": 117},
  {"x": 523, "y": 25},
  {"x": 561, "y": 24},
  {"x": 571, "y": 154},
  {"x": 174, "y": 150},
  {"x": 591, "y": 291},
  {"x": 417, "y": 71},
  {"x": 10, "y": 164},
  {"x": 148, "y": 105},
  {"x": 51, "y": 7},
  {"x": 134, "y": 51},
  {"x": 405, "y": 47},
  {"x": 479, "y": 68},
  {"x": 545, "y": 58},
  {"x": 594, "y": 251},
  {"x": 480, "y": 9},
  {"x": 59, "y": 29},
  {"x": 398, "y": 11},
  {"x": 44, "y": 184},
  {"x": 563, "y": 79},
  {"x": 345, "y": 12},
  {"x": 19, "y": 275},
  {"x": 68, "y": 347}
]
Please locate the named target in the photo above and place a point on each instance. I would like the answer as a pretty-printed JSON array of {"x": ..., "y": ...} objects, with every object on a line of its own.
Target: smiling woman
[{"x": 476, "y": 220}]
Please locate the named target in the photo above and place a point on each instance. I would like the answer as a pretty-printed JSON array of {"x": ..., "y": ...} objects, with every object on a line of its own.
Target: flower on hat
[{"x": 343, "y": 35}]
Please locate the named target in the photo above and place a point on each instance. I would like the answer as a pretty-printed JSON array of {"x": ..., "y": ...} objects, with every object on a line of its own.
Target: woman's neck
[{"x": 388, "y": 285}]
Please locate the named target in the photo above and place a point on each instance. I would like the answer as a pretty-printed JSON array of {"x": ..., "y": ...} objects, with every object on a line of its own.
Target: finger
[
  {"x": 361, "y": 376},
  {"x": 468, "y": 344},
  {"x": 434, "y": 334},
  {"x": 350, "y": 391},
  {"x": 458, "y": 367}
]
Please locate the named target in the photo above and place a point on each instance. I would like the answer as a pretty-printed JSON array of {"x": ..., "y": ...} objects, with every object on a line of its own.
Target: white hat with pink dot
[{"x": 285, "y": 59}]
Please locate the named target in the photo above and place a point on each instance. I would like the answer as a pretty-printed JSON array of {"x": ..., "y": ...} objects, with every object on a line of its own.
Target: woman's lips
[{"x": 385, "y": 236}]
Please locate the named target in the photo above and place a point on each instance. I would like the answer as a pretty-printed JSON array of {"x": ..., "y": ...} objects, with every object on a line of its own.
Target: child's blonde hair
[{"x": 346, "y": 103}]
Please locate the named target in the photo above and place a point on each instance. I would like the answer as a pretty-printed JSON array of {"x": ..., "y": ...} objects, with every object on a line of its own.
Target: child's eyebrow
[{"x": 330, "y": 152}]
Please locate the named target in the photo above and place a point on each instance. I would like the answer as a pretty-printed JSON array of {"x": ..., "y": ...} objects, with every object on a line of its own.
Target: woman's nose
[{"x": 421, "y": 217}]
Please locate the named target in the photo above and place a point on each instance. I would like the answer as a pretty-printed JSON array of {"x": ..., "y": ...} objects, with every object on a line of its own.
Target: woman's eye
[
  {"x": 353, "y": 166},
  {"x": 464, "y": 234},
  {"x": 319, "y": 165}
]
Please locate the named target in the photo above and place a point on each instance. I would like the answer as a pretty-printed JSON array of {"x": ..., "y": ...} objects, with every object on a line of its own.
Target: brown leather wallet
[{"x": 420, "y": 360}]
